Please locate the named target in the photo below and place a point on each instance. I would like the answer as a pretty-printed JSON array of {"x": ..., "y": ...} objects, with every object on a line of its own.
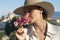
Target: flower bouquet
[
  {"x": 16, "y": 23},
  {"x": 21, "y": 22}
]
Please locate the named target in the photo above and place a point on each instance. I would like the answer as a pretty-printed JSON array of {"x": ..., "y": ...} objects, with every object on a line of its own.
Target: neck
[{"x": 41, "y": 24}]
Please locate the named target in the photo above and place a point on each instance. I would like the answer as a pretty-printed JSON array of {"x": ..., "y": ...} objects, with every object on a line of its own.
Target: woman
[
  {"x": 37, "y": 12},
  {"x": 37, "y": 17}
]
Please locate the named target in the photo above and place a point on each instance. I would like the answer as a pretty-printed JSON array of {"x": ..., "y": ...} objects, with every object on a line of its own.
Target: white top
[
  {"x": 52, "y": 33},
  {"x": 30, "y": 34}
]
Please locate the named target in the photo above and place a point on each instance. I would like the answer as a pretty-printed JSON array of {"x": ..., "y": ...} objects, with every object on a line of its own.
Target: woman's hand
[{"x": 20, "y": 34}]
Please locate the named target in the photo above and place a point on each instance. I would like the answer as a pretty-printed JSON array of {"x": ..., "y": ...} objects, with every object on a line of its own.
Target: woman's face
[{"x": 33, "y": 15}]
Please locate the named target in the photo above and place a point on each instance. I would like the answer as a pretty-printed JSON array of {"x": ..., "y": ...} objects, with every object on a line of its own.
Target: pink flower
[
  {"x": 19, "y": 19},
  {"x": 26, "y": 20},
  {"x": 15, "y": 23},
  {"x": 22, "y": 21}
]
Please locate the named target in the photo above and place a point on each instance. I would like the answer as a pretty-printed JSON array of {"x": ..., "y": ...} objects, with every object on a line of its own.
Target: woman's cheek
[{"x": 33, "y": 20}]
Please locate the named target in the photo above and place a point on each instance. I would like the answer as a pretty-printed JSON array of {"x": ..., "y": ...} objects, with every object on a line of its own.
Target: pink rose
[
  {"x": 22, "y": 21},
  {"x": 15, "y": 23},
  {"x": 26, "y": 20}
]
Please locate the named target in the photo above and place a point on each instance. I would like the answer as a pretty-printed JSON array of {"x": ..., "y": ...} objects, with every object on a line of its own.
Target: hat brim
[{"x": 46, "y": 5}]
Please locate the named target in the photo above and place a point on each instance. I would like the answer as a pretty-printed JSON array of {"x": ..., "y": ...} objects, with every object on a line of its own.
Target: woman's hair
[{"x": 30, "y": 8}]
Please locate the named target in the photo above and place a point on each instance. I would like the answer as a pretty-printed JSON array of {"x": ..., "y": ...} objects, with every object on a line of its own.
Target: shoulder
[{"x": 53, "y": 27}]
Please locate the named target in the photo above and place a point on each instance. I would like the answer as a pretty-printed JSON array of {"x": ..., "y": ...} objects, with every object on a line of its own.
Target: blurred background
[{"x": 8, "y": 6}]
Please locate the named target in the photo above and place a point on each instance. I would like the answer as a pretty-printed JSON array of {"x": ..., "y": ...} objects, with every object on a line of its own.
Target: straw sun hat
[{"x": 46, "y": 5}]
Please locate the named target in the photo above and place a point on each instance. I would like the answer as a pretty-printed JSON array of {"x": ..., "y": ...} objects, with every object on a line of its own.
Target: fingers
[
  {"x": 20, "y": 31},
  {"x": 20, "y": 35}
]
